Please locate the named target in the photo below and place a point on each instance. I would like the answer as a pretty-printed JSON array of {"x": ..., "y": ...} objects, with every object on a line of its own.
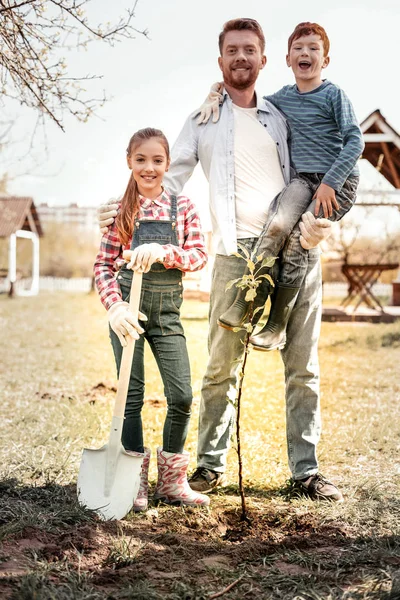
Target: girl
[{"x": 164, "y": 236}]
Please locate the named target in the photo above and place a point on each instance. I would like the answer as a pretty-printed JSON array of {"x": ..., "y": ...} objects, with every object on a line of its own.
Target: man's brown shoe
[
  {"x": 204, "y": 480},
  {"x": 317, "y": 487}
]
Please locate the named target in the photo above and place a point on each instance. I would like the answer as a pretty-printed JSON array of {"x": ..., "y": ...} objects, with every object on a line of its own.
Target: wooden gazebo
[
  {"x": 19, "y": 219},
  {"x": 382, "y": 150},
  {"x": 382, "y": 147}
]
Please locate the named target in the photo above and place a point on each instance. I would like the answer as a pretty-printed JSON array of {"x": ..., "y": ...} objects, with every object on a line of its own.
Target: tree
[
  {"x": 250, "y": 281},
  {"x": 32, "y": 34}
]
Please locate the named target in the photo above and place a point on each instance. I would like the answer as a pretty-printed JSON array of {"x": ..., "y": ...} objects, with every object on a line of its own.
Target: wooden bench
[{"x": 361, "y": 279}]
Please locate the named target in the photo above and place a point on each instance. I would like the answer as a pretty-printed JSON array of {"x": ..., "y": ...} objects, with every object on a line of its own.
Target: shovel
[{"x": 109, "y": 478}]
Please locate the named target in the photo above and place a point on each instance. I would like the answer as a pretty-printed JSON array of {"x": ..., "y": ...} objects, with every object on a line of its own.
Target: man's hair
[
  {"x": 240, "y": 25},
  {"x": 308, "y": 28}
]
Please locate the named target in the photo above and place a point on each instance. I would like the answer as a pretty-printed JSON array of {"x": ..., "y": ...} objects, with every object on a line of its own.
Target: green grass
[{"x": 57, "y": 382}]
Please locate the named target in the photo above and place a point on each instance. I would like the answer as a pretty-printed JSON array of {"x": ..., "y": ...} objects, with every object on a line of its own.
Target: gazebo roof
[
  {"x": 382, "y": 146},
  {"x": 18, "y": 213}
]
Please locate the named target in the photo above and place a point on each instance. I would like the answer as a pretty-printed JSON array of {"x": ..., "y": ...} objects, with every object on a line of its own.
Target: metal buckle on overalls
[
  {"x": 173, "y": 224},
  {"x": 137, "y": 224}
]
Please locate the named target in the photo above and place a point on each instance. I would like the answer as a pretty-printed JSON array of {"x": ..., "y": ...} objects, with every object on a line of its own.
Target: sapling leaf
[
  {"x": 232, "y": 283},
  {"x": 250, "y": 295},
  {"x": 268, "y": 262},
  {"x": 268, "y": 277}
]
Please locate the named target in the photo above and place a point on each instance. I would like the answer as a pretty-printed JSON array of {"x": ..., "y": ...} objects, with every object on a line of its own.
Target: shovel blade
[{"x": 116, "y": 502}]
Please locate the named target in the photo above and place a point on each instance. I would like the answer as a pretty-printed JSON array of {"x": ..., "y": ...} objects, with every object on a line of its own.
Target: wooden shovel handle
[{"x": 127, "y": 352}]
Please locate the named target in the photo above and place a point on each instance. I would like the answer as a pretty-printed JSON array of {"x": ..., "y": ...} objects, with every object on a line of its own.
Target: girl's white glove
[
  {"x": 106, "y": 214},
  {"x": 313, "y": 231},
  {"x": 144, "y": 256},
  {"x": 211, "y": 104},
  {"x": 123, "y": 322}
]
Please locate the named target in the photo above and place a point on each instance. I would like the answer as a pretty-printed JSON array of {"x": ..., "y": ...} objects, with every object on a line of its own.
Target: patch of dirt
[
  {"x": 196, "y": 551},
  {"x": 215, "y": 562},
  {"x": 157, "y": 402},
  {"x": 290, "y": 569},
  {"x": 100, "y": 391}
]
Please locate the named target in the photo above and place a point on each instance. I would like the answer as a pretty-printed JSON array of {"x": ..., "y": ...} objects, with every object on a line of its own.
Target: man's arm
[{"x": 184, "y": 157}]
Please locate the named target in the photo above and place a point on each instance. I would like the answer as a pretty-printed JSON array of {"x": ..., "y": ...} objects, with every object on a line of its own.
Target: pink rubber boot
[
  {"x": 172, "y": 485},
  {"x": 142, "y": 499}
]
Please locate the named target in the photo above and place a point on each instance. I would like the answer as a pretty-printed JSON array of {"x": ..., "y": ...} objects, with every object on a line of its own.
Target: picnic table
[{"x": 361, "y": 279}]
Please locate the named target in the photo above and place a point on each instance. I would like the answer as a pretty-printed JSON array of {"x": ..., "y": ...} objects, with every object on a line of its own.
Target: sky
[{"x": 159, "y": 81}]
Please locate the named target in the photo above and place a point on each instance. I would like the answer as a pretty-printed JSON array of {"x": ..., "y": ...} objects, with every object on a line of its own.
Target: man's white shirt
[{"x": 258, "y": 173}]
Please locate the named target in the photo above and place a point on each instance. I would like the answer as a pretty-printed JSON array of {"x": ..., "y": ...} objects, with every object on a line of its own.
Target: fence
[
  {"x": 337, "y": 289},
  {"x": 50, "y": 284},
  {"x": 83, "y": 284}
]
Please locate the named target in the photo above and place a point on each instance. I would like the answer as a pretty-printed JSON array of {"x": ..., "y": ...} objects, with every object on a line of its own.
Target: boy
[{"x": 326, "y": 143}]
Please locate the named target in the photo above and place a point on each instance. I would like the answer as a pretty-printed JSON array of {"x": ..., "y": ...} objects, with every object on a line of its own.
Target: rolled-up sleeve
[{"x": 105, "y": 268}]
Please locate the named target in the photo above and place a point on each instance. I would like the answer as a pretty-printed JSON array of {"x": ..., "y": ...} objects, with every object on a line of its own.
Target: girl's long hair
[{"x": 130, "y": 201}]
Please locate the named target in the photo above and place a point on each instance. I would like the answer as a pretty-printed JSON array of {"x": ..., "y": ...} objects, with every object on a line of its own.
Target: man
[{"x": 245, "y": 158}]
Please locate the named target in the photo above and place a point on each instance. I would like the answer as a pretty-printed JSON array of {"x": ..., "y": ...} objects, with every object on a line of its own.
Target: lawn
[{"x": 57, "y": 382}]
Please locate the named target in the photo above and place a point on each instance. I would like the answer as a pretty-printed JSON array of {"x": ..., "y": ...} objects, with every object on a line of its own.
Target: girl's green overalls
[{"x": 160, "y": 301}]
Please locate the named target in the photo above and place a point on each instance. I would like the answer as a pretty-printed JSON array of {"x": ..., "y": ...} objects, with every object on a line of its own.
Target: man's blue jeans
[{"x": 300, "y": 357}]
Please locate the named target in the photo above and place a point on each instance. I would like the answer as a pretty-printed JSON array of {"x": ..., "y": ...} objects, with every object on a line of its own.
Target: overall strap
[{"x": 173, "y": 211}]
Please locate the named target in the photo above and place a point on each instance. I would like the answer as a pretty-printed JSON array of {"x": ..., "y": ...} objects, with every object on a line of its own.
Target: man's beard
[{"x": 240, "y": 84}]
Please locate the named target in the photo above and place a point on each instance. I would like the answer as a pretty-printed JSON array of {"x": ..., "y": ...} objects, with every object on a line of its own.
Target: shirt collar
[
  {"x": 162, "y": 200},
  {"x": 260, "y": 102}
]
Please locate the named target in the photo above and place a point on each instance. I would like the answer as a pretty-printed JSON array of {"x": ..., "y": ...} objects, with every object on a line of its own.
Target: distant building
[
  {"x": 82, "y": 217},
  {"x": 19, "y": 219}
]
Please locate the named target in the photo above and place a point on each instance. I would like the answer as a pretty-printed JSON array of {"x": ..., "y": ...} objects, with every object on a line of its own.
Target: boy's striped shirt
[{"x": 325, "y": 135}]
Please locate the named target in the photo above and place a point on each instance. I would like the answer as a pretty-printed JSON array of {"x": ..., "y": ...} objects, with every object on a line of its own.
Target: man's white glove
[
  {"x": 144, "y": 256},
  {"x": 106, "y": 214},
  {"x": 123, "y": 322},
  {"x": 211, "y": 104},
  {"x": 313, "y": 231}
]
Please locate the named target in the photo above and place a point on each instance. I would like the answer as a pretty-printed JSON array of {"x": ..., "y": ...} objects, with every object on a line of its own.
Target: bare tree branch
[{"x": 32, "y": 34}]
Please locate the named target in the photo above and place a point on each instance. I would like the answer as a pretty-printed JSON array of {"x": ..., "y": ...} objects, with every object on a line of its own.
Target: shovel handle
[{"x": 128, "y": 350}]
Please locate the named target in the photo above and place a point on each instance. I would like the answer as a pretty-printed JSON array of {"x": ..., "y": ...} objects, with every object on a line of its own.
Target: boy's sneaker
[
  {"x": 317, "y": 487},
  {"x": 204, "y": 480}
]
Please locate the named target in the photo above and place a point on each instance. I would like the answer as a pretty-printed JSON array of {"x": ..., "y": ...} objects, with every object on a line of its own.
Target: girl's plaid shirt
[{"x": 191, "y": 255}]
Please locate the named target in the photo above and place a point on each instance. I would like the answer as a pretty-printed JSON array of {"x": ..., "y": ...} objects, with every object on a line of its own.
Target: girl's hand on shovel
[
  {"x": 144, "y": 256},
  {"x": 124, "y": 323}
]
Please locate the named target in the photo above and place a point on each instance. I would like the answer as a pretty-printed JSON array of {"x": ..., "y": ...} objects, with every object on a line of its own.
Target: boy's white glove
[
  {"x": 123, "y": 322},
  {"x": 313, "y": 231},
  {"x": 144, "y": 256},
  {"x": 106, "y": 214},
  {"x": 211, "y": 104}
]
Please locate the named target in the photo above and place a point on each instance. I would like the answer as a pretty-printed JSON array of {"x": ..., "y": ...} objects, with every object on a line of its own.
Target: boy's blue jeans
[
  {"x": 300, "y": 358},
  {"x": 164, "y": 333},
  {"x": 282, "y": 223}
]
